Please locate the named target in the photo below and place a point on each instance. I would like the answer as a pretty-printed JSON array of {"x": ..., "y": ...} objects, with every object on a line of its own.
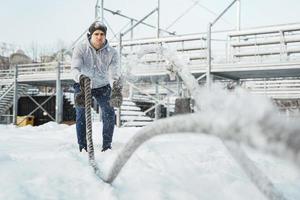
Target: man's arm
[
  {"x": 116, "y": 98},
  {"x": 76, "y": 64},
  {"x": 115, "y": 66}
]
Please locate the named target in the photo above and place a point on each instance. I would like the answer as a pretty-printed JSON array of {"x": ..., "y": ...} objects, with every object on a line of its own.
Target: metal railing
[
  {"x": 36, "y": 71},
  {"x": 6, "y": 77},
  {"x": 274, "y": 88},
  {"x": 8, "y": 89},
  {"x": 275, "y": 45}
]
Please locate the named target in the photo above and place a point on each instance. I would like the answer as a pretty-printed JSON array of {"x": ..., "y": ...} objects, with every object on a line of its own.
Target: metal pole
[
  {"x": 15, "y": 106},
  {"x": 168, "y": 106},
  {"x": 178, "y": 85},
  {"x": 208, "y": 78},
  {"x": 238, "y": 23},
  {"x": 96, "y": 10},
  {"x": 139, "y": 22},
  {"x": 210, "y": 25},
  {"x": 146, "y": 24},
  {"x": 131, "y": 33},
  {"x": 58, "y": 103},
  {"x": 130, "y": 92},
  {"x": 222, "y": 13},
  {"x": 118, "y": 114},
  {"x": 157, "y": 107},
  {"x": 158, "y": 19},
  {"x": 120, "y": 49},
  {"x": 102, "y": 10}
]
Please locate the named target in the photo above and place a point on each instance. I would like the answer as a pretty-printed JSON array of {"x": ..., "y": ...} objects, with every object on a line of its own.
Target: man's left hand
[{"x": 116, "y": 98}]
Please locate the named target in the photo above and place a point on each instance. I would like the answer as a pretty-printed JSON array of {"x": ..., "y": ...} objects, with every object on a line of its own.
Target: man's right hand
[
  {"x": 80, "y": 97},
  {"x": 82, "y": 77},
  {"x": 81, "y": 81}
]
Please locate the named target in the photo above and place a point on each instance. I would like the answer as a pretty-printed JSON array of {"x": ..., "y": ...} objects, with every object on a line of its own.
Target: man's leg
[
  {"x": 80, "y": 122},
  {"x": 102, "y": 96},
  {"x": 80, "y": 128}
]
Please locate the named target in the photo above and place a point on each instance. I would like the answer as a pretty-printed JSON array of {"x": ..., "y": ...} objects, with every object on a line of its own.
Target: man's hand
[
  {"x": 116, "y": 98},
  {"x": 81, "y": 81},
  {"x": 80, "y": 97}
]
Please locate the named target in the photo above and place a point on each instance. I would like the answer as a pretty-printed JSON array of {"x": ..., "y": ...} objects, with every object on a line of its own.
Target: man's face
[{"x": 98, "y": 39}]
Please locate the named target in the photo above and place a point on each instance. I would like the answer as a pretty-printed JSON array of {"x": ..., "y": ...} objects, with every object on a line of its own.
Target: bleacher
[{"x": 279, "y": 42}]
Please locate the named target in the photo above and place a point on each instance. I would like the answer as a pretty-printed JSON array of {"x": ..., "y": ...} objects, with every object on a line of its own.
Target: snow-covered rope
[
  {"x": 233, "y": 132},
  {"x": 201, "y": 123},
  {"x": 261, "y": 181},
  {"x": 254, "y": 173}
]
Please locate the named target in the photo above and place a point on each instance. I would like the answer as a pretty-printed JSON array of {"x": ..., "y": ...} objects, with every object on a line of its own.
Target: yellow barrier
[{"x": 25, "y": 120}]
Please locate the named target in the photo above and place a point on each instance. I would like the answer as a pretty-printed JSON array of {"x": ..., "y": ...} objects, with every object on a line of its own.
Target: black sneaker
[
  {"x": 105, "y": 148},
  {"x": 82, "y": 147}
]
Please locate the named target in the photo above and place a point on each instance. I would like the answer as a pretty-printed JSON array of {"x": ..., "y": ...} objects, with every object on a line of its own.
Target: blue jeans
[{"x": 102, "y": 95}]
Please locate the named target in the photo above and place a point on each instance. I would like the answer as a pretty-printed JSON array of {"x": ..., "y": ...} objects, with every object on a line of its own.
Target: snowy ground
[{"x": 44, "y": 163}]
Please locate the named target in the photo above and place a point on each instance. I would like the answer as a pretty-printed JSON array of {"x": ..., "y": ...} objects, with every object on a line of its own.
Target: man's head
[{"x": 97, "y": 34}]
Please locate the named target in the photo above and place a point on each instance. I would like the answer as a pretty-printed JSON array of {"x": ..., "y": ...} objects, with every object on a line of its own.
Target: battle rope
[
  {"x": 195, "y": 124},
  {"x": 89, "y": 132},
  {"x": 198, "y": 123}
]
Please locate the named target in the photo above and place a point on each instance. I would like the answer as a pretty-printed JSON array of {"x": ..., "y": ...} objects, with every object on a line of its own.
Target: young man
[{"x": 99, "y": 62}]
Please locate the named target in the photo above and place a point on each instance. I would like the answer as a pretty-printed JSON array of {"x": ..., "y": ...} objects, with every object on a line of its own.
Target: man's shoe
[
  {"x": 81, "y": 147},
  {"x": 105, "y": 148}
]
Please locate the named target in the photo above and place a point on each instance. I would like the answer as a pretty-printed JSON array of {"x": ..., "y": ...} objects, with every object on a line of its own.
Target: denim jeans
[{"x": 102, "y": 96}]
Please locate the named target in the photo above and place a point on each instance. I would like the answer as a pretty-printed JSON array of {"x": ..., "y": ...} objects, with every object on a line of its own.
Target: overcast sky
[{"x": 49, "y": 24}]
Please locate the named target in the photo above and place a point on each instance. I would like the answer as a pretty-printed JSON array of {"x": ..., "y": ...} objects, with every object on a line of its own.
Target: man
[{"x": 97, "y": 61}]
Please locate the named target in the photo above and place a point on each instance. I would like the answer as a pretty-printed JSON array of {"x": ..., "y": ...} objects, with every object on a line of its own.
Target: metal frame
[
  {"x": 15, "y": 105},
  {"x": 39, "y": 106},
  {"x": 59, "y": 99},
  {"x": 209, "y": 27},
  {"x": 27, "y": 70}
]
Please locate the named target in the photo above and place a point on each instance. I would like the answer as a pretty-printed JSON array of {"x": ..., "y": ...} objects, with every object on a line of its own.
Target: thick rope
[
  {"x": 200, "y": 123},
  {"x": 89, "y": 131},
  {"x": 261, "y": 181},
  {"x": 194, "y": 124}
]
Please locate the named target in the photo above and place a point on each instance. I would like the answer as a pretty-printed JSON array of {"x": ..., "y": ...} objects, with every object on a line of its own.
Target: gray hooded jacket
[{"x": 97, "y": 65}]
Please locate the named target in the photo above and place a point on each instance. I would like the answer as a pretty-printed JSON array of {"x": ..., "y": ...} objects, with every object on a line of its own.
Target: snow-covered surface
[{"x": 44, "y": 163}]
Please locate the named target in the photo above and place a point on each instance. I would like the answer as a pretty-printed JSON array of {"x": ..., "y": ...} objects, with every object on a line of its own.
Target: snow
[{"x": 44, "y": 163}]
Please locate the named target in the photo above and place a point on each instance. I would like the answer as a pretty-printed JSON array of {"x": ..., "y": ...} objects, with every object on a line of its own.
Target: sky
[{"x": 50, "y": 25}]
